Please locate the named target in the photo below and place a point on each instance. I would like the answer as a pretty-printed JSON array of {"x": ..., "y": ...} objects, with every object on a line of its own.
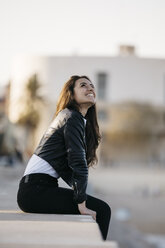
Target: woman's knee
[
  {"x": 107, "y": 208},
  {"x": 104, "y": 207},
  {"x": 98, "y": 205}
]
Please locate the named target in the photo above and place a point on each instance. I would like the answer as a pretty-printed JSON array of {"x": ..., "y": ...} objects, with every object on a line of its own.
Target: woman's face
[{"x": 84, "y": 92}]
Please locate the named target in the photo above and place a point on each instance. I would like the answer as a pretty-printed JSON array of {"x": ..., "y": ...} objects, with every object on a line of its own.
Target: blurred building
[{"x": 121, "y": 79}]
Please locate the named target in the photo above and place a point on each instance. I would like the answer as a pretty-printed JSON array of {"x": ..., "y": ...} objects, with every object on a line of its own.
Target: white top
[{"x": 39, "y": 165}]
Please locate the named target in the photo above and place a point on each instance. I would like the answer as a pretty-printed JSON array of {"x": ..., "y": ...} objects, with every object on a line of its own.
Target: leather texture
[{"x": 63, "y": 146}]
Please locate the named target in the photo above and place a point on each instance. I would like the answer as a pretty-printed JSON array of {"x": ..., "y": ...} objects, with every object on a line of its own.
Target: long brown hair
[{"x": 66, "y": 100}]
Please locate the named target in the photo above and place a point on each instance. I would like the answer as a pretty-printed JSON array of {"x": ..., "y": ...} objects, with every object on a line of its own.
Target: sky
[{"x": 79, "y": 27}]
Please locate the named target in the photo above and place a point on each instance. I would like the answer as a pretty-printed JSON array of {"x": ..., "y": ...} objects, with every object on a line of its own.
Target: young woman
[{"x": 66, "y": 150}]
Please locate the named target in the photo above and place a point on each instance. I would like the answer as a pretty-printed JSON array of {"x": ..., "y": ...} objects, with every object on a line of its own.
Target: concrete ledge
[
  {"x": 22, "y": 216},
  {"x": 22, "y": 230}
]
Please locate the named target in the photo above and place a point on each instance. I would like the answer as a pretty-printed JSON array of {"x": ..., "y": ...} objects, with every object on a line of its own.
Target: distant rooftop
[{"x": 127, "y": 50}]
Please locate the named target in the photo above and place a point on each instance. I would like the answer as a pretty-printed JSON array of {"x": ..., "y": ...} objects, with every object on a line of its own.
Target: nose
[{"x": 90, "y": 88}]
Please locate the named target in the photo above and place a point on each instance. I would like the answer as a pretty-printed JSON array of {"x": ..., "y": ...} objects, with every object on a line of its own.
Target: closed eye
[{"x": 84, "y": 84}]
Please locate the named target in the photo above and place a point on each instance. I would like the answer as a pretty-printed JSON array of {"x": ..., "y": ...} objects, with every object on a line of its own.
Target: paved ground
[
  {"x": 137, "y": 199},
  {"x": 136, "y": 196}
]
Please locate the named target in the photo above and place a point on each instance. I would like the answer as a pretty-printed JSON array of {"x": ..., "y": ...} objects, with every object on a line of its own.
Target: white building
[{"x": 117, "y": 79}]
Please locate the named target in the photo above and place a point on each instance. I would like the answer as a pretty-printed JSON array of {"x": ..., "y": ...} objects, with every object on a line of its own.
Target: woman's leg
[
  {"x": 39, "y": 198},
  {"x": 103, "y": 213}
]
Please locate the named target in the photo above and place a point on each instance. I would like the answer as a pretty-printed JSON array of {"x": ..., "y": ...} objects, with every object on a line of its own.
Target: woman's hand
[{"x": 84, "y": 210}]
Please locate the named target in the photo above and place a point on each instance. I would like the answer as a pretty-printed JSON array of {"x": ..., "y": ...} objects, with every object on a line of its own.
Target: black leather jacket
[{"x": 63, "y": 146}]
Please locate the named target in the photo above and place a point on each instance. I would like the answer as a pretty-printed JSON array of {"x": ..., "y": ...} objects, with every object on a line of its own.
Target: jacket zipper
[{"x": 76, "y": 188}]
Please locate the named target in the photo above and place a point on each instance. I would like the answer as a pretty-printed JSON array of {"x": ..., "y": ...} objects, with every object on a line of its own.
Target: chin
[{"x": 91, "y": 104}]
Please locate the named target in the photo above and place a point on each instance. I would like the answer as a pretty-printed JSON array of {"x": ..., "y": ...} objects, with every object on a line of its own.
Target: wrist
[{"x": 82, "y": 205}]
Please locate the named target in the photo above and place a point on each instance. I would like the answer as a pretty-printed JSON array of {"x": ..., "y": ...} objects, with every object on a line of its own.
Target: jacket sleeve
[{"x": 74, "y": 135}]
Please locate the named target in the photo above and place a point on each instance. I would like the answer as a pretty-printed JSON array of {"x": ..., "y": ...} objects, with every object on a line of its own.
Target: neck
[{"x": 83, "y": 109}]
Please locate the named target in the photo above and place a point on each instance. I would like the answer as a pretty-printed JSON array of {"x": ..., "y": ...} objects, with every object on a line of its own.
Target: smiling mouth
[{"x": 90, "y": 95}]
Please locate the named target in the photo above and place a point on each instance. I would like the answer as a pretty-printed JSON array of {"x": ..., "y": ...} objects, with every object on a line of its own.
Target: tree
[{"x": 32, "y": 103}]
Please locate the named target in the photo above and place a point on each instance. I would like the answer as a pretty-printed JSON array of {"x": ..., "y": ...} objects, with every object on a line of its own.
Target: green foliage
[{"x": 136, "y": 121}]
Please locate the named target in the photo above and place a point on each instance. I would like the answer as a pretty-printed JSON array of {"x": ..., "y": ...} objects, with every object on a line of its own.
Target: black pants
[{"x": 39, "y": 193}]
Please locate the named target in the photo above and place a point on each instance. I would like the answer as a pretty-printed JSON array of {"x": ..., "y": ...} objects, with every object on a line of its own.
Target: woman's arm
[{"x": 74, "y": 132}]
